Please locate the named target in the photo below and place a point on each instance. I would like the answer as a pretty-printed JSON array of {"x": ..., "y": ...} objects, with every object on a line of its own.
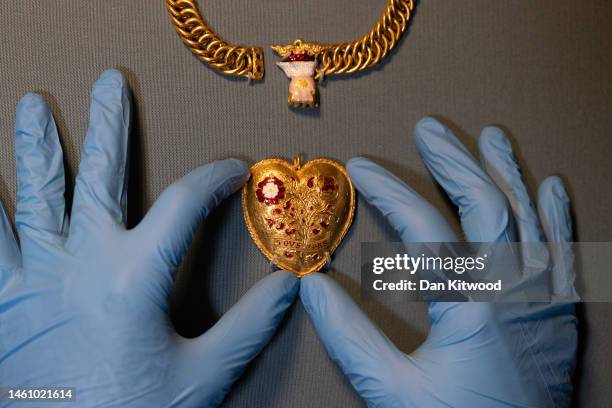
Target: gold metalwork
[
  {"x": 367, "y": 51},
  {"x": 334, "y": 59},
  {"x": 229, "y": 59},
  {"x": 298, "y": 214},
  {"x": 298, "y": 47}
]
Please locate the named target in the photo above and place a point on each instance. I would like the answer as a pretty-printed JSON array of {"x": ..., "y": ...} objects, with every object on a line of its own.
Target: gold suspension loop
[
  {"x": 335, "y": 59},
  {"x": 209, "y": 47}
]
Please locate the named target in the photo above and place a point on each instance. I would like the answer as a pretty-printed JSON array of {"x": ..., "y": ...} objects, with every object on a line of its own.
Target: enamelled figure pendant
[
  {"x": 299, "y": 63},
  {"x": 298, "y": 214}
]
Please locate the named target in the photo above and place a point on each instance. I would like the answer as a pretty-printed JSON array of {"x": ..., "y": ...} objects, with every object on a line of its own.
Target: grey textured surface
[{"x": 542, "y": 69}]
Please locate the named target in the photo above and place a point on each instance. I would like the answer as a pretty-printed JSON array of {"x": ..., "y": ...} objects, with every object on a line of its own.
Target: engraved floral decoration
[{"x": 300, "y": 212}]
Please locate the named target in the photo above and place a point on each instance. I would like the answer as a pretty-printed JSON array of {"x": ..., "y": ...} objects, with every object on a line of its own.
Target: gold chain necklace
[{"x": 302, "y": 62}]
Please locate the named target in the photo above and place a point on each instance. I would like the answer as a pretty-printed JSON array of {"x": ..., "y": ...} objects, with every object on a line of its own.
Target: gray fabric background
[{"x": 542, "y": 69}]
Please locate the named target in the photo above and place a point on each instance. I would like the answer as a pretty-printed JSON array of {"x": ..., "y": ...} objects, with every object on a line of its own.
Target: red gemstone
[{"x": 300, "y": 57}]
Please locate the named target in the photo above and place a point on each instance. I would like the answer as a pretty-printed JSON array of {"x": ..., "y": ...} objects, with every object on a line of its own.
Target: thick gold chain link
[
  {"x": 369, "y": 50},
  {"x": 209, "y": 47},
  {"x": 335, "y": 59}
]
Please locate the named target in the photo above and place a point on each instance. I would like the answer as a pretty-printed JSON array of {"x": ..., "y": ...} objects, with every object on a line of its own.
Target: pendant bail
[{"x": 297, "y": 162}]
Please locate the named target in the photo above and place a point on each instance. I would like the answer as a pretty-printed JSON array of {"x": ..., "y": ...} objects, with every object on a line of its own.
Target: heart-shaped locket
[{"x": 298, "y": 215}]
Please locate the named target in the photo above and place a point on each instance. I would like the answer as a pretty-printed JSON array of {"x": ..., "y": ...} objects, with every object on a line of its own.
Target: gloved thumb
[
  {"x": 367, "y": 357},
  {"x": 207, "y": 366}
]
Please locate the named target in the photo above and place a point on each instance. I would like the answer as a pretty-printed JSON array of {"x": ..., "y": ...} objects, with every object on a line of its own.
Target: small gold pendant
[
  {"x": 298, "y": 215},
  {"x": 299, "y": 63}
]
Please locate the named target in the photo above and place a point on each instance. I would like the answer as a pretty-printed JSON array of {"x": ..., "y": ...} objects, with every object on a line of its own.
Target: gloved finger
[
  {"x": 414, "y": 219},
  {"x": 554, "y": 209},
  {"x": 483, "y": 208},
  {"x": 10, "y": 257},
  {"x": 365, "y": 355},
  {"x": 40, "y": 172},
  {"x": 171, "y": 223},
  {"x": 100, "y": 192},
  {"x": 500, "y": 163},
  {"x": 211, "y": 363}
]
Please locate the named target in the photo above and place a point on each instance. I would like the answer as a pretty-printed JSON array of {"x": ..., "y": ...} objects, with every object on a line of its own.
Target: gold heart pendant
[{"x": 298, "y": 215}]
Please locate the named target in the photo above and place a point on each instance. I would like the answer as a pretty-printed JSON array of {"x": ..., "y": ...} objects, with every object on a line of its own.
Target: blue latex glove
[
  {"x": 476, "y": 354},
  {"x": 84, "y": 303}
]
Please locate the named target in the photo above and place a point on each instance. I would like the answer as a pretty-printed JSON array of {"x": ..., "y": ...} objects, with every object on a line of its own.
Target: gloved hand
[
  {"x": 476, "y": 354},
  {"x": 84, "y": 303}
]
